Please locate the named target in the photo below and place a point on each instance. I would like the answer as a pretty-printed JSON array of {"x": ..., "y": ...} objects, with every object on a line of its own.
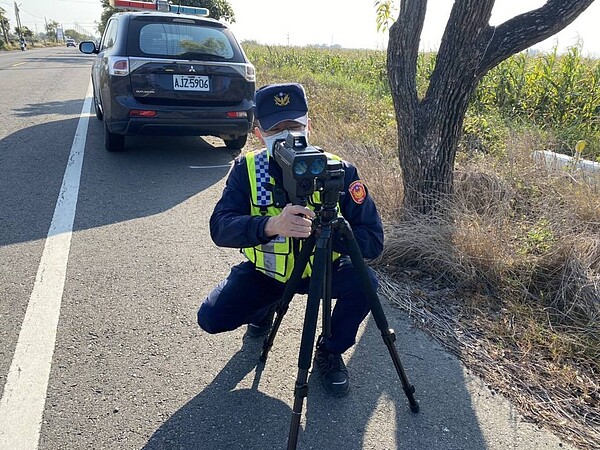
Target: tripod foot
[{"x": 409, "y": 391}]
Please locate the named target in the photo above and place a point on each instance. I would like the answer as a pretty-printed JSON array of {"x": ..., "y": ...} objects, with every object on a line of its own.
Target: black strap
[{"x": 279, "y": 195}]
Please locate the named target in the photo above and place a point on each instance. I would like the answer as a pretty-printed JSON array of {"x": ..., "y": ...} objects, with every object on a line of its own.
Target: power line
[{"x": 32, "y": 15}]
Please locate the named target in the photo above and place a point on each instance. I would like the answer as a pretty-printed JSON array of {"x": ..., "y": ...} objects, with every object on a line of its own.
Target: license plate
[{"x": 190, "y": 83}]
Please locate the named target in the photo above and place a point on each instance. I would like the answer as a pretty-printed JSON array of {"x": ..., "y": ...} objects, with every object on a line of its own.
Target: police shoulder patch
[{"x": 358, "y": 191}]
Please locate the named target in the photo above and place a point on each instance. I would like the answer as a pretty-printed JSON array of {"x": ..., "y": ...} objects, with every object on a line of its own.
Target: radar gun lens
[
  {"x": 300, "y": 167},
  {"x": 317, "y": 166}
]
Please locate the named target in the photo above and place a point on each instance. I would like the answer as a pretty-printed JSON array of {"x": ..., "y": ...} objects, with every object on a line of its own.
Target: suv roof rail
[{"x": 158, "y": 5}]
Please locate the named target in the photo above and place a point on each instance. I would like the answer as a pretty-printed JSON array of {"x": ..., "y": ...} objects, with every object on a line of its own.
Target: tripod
[{"x": 325, "y": 225}]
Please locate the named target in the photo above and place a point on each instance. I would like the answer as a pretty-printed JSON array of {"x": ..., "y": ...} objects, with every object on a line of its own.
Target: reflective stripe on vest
[{"x": 275, "y": 258}]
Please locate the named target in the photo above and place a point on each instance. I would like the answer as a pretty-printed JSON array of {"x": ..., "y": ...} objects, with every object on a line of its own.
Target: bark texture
[{"x": 429, "y": 128}]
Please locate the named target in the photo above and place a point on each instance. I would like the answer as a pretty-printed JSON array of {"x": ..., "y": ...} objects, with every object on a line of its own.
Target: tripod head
[{"x": 330, "y": 186}]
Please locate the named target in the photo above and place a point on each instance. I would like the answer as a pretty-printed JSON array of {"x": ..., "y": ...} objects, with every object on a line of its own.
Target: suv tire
[
  {"x": 236, "y": 144},
  {"x": 113, "y": 142}
]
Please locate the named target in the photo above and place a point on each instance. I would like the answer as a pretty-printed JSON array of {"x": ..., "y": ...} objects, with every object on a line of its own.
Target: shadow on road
[
  {"x": 153, "y": 175},
  {"x": 365, "y": 419},
  {"x": 69, "y": 107},
  {"x": 375, "y": 415},
  {"x": 223, "y": 417}
]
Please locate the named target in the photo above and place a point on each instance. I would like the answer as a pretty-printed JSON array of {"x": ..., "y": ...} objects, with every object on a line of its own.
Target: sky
[{"x": 316, "y": 22}]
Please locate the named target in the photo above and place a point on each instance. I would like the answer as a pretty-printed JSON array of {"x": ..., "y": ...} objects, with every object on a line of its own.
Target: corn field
[
  {"x": 558, "y": 95},
  {"x": 362, "y": 67}
]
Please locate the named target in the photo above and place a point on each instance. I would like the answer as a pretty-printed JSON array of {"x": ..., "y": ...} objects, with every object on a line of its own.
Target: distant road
[{"x": 104, "y": 259}]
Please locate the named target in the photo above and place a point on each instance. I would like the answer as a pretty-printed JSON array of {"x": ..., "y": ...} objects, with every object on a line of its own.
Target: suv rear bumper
[
  {"x": 181, "y": 121},
  {"x": 165, "y": 127}
]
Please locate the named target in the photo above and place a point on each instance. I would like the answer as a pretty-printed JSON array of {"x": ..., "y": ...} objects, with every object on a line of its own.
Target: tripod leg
[
  {"x": 308, "y": 336},
  {"x": 377, "y": 311},
  {"x": 288, "y": 293},
  {"x": 326, "y": 296}
]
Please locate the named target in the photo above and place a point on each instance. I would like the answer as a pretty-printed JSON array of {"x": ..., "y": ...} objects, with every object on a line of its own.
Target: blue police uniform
[{"x": 247, "y": 294}]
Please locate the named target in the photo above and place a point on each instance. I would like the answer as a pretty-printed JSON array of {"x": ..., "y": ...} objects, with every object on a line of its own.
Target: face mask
[{"x": 270, "y": 140}]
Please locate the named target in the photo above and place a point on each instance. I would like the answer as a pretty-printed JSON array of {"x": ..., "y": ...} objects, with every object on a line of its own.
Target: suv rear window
[{"x": 183, "y": 38}]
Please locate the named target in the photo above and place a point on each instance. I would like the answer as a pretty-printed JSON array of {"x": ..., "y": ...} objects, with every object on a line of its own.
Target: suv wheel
[
  {"x": 113, "y": 142},
  {"x": 236, "y": 144}
]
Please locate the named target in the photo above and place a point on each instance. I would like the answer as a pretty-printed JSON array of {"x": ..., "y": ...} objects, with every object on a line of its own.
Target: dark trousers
[{"x": 247, "y": 295}]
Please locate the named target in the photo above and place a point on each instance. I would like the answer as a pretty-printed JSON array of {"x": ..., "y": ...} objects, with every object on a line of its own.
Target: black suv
[{"x": 161, "y": 73}]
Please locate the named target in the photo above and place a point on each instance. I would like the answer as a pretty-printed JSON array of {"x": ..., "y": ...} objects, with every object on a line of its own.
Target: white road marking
[
  {"x": 19, "y": 64},
  {"x": 210, "y": 167},
  {"x": 24, "y": 397}
]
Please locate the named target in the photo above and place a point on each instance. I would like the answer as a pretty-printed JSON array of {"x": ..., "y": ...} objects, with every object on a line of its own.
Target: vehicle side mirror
[{"x": 88, "y": 47}]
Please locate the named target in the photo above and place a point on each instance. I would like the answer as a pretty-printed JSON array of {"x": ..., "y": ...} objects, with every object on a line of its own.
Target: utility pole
[{"x": 18, "y": 19}]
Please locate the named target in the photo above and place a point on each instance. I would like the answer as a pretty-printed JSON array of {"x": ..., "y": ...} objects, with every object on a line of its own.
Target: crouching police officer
[{"x": 249, "y": 217}]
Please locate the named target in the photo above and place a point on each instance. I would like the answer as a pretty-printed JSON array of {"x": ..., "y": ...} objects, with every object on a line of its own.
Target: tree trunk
[
  {"x": 3, "y": 25},
  {"x": 429, "y": 129}
]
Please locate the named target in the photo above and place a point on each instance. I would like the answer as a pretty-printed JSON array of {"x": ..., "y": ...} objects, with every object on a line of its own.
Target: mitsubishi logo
[{"x": 192, "y": 69}]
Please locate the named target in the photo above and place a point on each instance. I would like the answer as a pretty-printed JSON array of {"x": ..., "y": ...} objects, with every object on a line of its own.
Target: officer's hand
[{"x": 293, "y": 221}]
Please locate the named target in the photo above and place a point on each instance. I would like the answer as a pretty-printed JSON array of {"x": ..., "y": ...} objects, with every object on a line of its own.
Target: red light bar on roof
[
  {"x": 157, "y": 5},
  {"x": 137, "y": 6}
]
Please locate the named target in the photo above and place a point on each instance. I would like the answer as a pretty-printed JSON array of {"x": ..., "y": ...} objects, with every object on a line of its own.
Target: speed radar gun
[
  {"x": 307, "y": 169},
  {"x": 302, "y": 166}
]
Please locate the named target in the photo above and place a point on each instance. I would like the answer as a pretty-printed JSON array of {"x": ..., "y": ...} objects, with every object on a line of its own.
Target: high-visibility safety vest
[{"x": 276, "y": 257}]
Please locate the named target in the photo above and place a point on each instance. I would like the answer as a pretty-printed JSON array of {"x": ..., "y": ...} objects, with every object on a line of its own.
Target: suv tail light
[
  {"x": 237, "y": 114},
  {"x": 118, "y": 66},
  {"x": 246, "y": 70},
  {"x": 142, "y": 113},
  {"x": 250, "y": 73}
]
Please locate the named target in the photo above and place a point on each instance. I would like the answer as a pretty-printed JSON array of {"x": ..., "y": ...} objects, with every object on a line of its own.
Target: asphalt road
[{"x": 128, "y": 368}]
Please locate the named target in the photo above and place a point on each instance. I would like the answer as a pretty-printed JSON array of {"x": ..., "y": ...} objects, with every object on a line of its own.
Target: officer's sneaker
[
  {"x": 334, "y": 375},
  {"x": 263, "y": 327}
]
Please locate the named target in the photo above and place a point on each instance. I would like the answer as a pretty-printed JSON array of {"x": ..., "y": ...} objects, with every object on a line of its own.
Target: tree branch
[
  {"x": 459, "y": 54},
  {"x": 527, "y": 29},
  {"x": 405, "y": 33}
]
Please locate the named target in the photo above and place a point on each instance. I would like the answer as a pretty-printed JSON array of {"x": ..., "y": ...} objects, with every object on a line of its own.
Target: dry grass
[
  {"x": 560, "y": 397},
  {"x": 509, "y": 281}
]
